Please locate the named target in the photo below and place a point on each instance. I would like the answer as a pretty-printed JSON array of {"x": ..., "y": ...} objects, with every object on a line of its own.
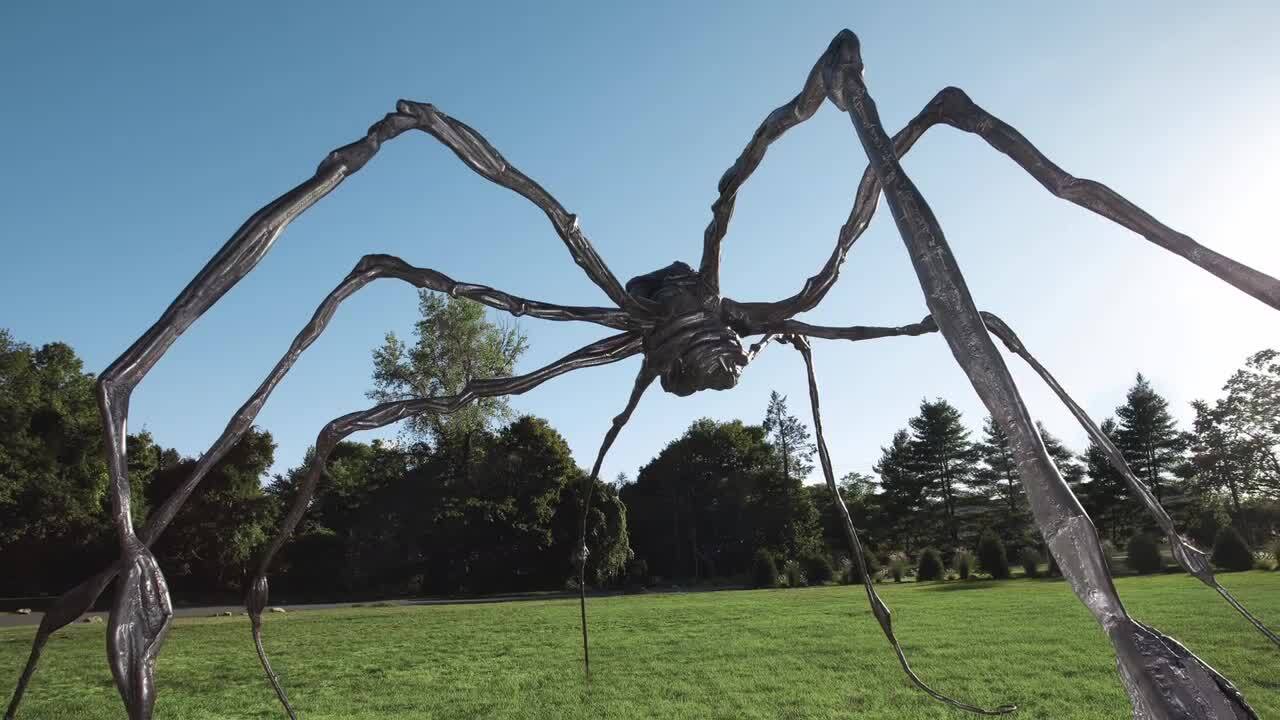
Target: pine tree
[
  {"x": 1149, "y": 438},
  {"x": 943, "y": 456},
  {"x": 790, "y": 438},
  {"x": 1068, "y": 462},
  {"x": 998, "y": 479},
  {"x": 902, "y": 495},
  {"x": 1106, "y": 497}
]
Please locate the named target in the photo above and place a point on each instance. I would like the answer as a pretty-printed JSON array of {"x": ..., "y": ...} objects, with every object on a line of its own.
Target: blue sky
[{"x": 140, "y": 135}]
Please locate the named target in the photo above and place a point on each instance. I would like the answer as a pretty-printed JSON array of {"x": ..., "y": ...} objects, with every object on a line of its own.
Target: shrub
[
  {"x": 794, "y": 574},
  {"x": 764, "y": 570},
  {"x": 1263, "y": 560},
  {"x": 930, "y": 567},
  {"x": 852, "y": 574},
  {"x": 1144, "y": 554},
  {"x": 1230, "y": 551},
  {"x": 637, "y": 574},
  {"x": 897, "y": 566},
  {"x": 991, "y": 557},
  {"x": 1275, "y": 550},
  {"x": 963, "y": 563},
  {"x": 1030, "y": 560},
  {"x": 1109, "y": 552},
  {"x": 817, "y": 567},
  {"x": 1054, "y": 570}
]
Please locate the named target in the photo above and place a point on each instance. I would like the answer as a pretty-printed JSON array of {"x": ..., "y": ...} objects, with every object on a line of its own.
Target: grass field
[{"x": 813, "y": 653}]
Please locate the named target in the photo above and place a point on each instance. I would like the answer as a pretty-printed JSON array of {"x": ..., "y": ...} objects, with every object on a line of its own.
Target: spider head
[{"x": 690, "y": 346}]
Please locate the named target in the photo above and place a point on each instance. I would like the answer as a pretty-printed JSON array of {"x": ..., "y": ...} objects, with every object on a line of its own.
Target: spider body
[
  {"x": 690, "y": 339},
  {"x": 690, "y": 345}
]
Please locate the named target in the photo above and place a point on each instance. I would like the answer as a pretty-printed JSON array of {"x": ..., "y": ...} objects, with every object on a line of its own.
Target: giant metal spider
[{"x": 689, "y": 338}]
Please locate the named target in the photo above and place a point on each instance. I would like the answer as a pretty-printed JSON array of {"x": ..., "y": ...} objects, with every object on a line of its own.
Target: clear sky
[{"x": 138, "y": 136}]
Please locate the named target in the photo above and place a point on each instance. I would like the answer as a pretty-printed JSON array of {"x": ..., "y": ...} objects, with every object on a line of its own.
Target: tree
[
  {"x": 55, "y": 525},
  {"x": 343, "y": 543},
  {"x": 1231, "y": 552},
  {"x": 454, "y": 343},
  {"x": 790, "y": 438},
  {"x": 998, "y": 478},
  {"x": 764, "y": 571},
  {"x": 943, "y": 457},
  {"x": 856, "y": 490},
  {"x": 1149, "y": 438},
  {"x": 902, "y": 499},
  {"x": 711, "y": 498},
  {"x": 1236, "y": 447},
  {"x": 225, "y": 524},
  {"x": 1068, "y": 463},
  {"x": 1106, "y": 496}
]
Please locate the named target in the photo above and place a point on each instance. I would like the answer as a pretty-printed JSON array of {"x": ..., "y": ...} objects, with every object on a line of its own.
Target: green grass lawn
[{"x": 813, "y": 653}]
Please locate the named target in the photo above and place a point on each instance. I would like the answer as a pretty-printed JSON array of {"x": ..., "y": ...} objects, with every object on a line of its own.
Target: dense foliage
[
  {"x": 992, "y": 558},
  {"x": 1231, "y": 552},
  {"x": 1144, "y": 554},
  {"x": 930, "y": 566},
  {"x": 490, "y": 502}
]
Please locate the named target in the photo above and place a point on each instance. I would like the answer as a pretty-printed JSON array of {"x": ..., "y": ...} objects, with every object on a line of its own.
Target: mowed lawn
[{"x": 811, "y": 653}]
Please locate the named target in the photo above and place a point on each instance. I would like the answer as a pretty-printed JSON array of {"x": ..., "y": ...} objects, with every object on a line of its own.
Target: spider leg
[
  {"x": 1163, "y": 679},
  {"x": 480, "y": 156},
  {"x": 1191, "y": 558},
  {"x": 878, "y": 608},
  {"x": 141, "y": 614},
  {"x": 951, "y": 106},
  {"x": 797, "y": 110},
  {"x": 602, "y": 352},
  {"x": 643, "y": 380},
  {"x": 371, "y": 267}
]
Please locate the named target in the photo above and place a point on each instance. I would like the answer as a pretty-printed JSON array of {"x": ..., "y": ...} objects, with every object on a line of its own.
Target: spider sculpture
[{"x": 689, "y": 338}]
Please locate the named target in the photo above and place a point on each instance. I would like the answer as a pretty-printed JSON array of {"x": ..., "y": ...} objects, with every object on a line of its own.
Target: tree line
[{"x": 488, "y": 501}]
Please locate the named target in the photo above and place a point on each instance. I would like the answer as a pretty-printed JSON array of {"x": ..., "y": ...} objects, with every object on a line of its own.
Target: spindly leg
[
  {"x": 878, "y": 608},
  {"x": 372, "y": 267},
  {"x": 953, "y": 107},
  {"x": 643, "y": 380},
  {"x": 602, "y": 352},
  {"x": 141, "y": 613},
  {"x": 1164, "y": 681},
  {"x": 1192, "y": 559},
  {"x": 134, "y": 640},
  {"x": 482, "y": 157}
]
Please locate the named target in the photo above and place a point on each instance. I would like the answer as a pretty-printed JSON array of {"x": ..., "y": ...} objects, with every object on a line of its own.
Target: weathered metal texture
[{"x": 690, "y": 340}]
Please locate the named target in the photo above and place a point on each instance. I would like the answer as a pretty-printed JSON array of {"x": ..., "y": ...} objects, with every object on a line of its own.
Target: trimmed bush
[
  {"x": 764, "y": 570},
  {"x": 852, "y": 575},
  {"x": 637, "y": 574},
  {"x": 1230, "y": 551},
  {"x": 817, "y": 567},
  {"x": 897, "y": 566},
  {"x": 1144, "y": 555},
  {"x": 794, "y": 574},
  {"x": 963, "y": 563},
  {"x": 991, "y": 556},
  {"x": 930, "y": 567},
  {"x": 1030, "y": 560}
]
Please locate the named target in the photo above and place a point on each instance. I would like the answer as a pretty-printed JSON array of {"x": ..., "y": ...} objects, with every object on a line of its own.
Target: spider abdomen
[{"x": 691, "y": 347}]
